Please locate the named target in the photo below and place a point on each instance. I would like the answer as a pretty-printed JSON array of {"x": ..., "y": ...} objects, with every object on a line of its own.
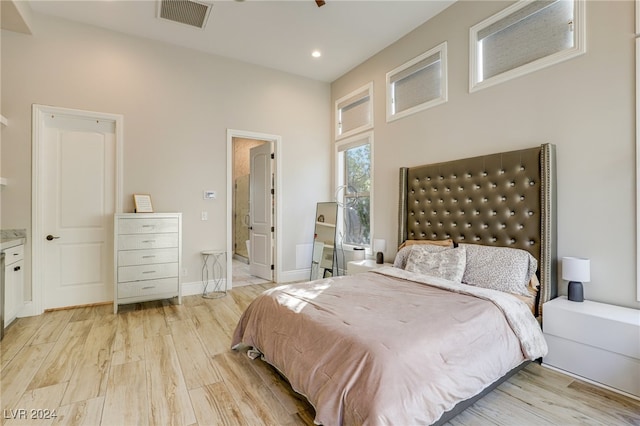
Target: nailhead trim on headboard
[{"x": 505, "y": 199}]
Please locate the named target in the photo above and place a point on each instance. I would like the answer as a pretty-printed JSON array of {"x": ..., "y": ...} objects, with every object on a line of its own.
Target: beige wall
[
  {"x": 585, "y": 106},
  {"x": 177, "y": 106}
]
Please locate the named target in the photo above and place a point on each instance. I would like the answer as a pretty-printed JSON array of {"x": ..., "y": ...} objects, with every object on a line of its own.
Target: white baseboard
[
  {"x": 295, "y": 275},
  {"x": 28, "y": 310},
  {"x": 197, "y": 287},
  {"x": 192, "y": 288}
]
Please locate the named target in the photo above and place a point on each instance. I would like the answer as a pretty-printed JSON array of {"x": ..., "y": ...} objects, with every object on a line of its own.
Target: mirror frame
[{"x": 326, "y": 219}]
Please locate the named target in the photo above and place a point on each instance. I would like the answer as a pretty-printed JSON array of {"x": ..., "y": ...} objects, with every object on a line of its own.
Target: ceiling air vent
[{"x": 186, "y": 12}]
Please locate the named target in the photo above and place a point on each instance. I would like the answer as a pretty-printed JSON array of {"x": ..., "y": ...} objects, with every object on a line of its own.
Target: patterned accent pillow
[
  {"x": 448, "y": 264},
  {"x": 403, "y": 254},
  {"x": 499, "y": 268}
]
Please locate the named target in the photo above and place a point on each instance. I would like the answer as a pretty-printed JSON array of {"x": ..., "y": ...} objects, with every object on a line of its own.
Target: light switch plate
[{"x": 209, "y": 195}]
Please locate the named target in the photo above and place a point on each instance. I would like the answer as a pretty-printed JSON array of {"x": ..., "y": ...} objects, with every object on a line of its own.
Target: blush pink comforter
[{"x": 384, "y": 348}]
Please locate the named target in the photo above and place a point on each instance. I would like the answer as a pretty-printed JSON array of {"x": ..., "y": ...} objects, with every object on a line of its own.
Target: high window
[
  {"x": 354, "y": 176},
  {"x": 354, "y": 112},
  {"x": 523, "y": 38},
  {"x": 418, "y": 84}
]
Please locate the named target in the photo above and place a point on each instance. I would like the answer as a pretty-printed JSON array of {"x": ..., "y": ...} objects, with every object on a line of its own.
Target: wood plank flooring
[{"x": 158, "y": 363}]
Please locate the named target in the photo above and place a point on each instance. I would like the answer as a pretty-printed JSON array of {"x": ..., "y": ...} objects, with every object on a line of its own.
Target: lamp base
[
  {"x": 379, "y": 258},
  {"x": 576, "y": 293}
]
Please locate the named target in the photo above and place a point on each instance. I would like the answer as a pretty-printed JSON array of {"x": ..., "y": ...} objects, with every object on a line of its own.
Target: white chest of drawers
[{"x": 148, "y": 257}]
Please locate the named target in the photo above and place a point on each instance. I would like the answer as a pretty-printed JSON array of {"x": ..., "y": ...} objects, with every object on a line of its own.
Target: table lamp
[
  {"x": 576, "y": 270},
  {"x": 379, "y": 246}
]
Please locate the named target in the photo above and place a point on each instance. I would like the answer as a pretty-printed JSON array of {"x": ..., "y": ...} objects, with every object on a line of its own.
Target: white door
[
  {"x": 261, "y": 212},
  {"x": 78, "y": 203}
]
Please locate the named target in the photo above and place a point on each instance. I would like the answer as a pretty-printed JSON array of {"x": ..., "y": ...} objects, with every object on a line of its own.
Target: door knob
[{"x": 51, "y": 237}]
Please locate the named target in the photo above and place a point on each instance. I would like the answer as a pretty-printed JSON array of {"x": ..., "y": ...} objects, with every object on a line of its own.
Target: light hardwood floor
[{"x": 157, "y": 363}]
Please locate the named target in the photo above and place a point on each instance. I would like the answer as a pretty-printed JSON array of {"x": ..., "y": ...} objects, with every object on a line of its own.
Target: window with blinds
[
  {"x": 354, "y": 112},
  {"x": 418, "y": 84},
  {"x": 523, "y": 38}
]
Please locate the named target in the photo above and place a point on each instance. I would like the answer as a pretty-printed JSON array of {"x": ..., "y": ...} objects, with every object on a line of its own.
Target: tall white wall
[
  {"x": 585, "y": 106},
  {"x": 177, "y": 105}
]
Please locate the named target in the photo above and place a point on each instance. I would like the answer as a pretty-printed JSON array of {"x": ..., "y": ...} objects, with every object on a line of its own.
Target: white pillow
[
  {"x": 448, "y": 263},
  {"x": 499, "y": 268},
  {"x": 403, "y": 254}
]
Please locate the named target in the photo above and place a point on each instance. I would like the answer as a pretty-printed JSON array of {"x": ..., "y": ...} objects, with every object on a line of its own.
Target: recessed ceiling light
[{"x": 316, "y": 54}]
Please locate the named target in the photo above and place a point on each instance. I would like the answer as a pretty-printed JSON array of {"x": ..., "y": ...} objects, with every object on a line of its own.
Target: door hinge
[
  {"x": 272, "y": 267},
  {"x": 273, "y": 229},
  {"x": 273, "y": 191},
  {"x": 272, "y": 156}
]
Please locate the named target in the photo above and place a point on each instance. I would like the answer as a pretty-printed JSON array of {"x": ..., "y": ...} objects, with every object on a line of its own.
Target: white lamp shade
[
  {"x": 576, "y": 269},
  {"x": 379, "y": 245}
]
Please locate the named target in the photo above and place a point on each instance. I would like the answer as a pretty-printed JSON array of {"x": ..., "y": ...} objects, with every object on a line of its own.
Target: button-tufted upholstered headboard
[{"x": 505, "y": 199}]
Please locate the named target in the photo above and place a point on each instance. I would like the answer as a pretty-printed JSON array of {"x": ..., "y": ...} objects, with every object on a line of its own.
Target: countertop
[
  {"x": 12, "y": 237},
  {"x": 7, "y": 243}
]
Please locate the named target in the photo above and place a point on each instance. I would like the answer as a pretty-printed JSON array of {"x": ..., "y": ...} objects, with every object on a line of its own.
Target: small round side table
[{"x": 218, "y": 263}]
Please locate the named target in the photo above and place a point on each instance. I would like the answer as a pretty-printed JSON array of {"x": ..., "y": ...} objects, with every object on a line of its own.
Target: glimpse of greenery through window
[{"x": 357, "y": 195}]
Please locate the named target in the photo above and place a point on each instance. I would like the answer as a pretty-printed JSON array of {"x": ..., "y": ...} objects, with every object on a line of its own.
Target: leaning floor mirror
[{"x": 324, "y": 259}]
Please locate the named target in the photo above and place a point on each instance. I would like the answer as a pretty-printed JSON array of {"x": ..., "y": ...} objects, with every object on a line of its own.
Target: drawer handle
[
  {"x": 149, "y": 272},
  {"x": 149, "y": 241},
  {"x": 148, "y": 287},
  {"x": 147, "y": 257},
  {"x": 17, "y": 268},
  {"x": 148, "y": 226},
  {"x": 16, "y": 254}
]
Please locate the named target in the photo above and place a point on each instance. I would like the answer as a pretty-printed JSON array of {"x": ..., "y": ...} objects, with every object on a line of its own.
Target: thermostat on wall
[{"x": 209, "y": 195}]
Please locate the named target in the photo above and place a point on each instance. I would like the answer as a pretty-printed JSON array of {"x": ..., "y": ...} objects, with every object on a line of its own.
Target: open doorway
[{"x": 252, "y": 237}]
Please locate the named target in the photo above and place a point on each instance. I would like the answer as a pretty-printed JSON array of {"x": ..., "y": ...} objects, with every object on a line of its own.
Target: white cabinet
[
  {"x": 596, "y": 341},
  {"x": 13, "y": 283},
  {"x": 148, "y": 257}
]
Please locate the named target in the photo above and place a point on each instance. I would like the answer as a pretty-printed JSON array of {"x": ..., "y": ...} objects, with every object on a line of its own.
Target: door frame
[
  {"x": 36, "y": 306},
  {"x": 277, "y": 143}
]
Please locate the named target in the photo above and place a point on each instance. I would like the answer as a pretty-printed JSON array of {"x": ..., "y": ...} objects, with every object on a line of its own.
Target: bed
[{"x": 412, "y": 344}]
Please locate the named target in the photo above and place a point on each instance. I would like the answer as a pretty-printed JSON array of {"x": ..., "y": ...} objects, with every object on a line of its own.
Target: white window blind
[
  {"x": 525, "y": 37},
  {"x": 418, "y": 84},
  {"x": 353, "y": 112}
]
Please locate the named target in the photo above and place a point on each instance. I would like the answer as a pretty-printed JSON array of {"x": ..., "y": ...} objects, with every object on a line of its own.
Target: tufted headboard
[{"x": 506, "y": 199}]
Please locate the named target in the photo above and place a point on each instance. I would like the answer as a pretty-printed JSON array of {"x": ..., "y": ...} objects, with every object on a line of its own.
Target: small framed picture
[{"x": 142, "y": 203}]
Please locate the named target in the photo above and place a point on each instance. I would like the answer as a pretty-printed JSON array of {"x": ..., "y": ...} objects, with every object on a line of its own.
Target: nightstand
[
  {"x": 595, "y": 341},
  {"x": 357, "y": 266}
]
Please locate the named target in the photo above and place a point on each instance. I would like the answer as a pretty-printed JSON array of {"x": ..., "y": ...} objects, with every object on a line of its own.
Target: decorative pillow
[
  {"x": 530, "y": 300},
  {"x": 445, "y": 243},
  {"x": 499, "y": 268},
  {"x": 448, "y": 263},
  {"x": 403, "y": 253}
]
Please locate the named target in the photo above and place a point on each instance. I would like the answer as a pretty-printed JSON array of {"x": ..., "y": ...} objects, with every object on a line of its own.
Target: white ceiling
[{"x": 275, "y": 34}]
